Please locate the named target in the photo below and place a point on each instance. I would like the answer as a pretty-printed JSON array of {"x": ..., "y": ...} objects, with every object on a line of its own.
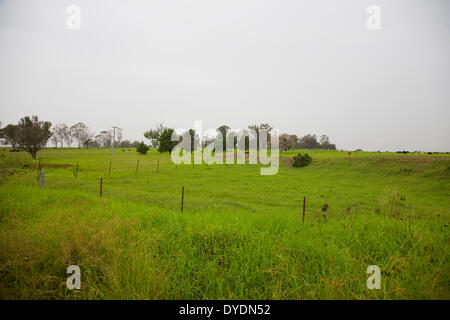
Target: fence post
[
  {"x": 182, "y": 198},
  {"x": 304, "y": 207},
  {"x": 137, "y": 165},
  {"x": 109, "y": 170},
  {"x": 157, "y": 166},
  {"x": 39, "y": 169},
  {"x": 41, "y": 181},
  {"x": 101, "y": 187}
]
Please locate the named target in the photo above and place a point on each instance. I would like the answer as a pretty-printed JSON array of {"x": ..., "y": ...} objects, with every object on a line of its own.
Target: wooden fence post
[
  {"x": 109, "y": 170},
  {"x": 157, "y": 166},
  {"x": 137, "y": 165},
  {"x": 101, "y": 187},
  {"x": 182, "y": 198},
  {"x": 39, "y": 169},
  {"x": 304, "y": 207}
]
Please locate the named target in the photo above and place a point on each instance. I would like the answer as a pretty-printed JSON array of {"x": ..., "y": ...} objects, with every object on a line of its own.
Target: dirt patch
[
  {"x": 381, "y": 161},
  {"x": 57, "y": 165},
  {"x": 286, "y": 161},
  {"x": 421, "y": 160}
]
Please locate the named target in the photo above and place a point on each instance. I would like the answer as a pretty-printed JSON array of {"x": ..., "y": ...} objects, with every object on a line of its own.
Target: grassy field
[{"x": 240, "y": 235}]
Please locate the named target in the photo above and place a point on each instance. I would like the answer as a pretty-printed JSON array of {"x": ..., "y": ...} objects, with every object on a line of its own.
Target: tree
[
  {"x": 195, "y": 139},
  {"x": 154, "y": 134},
  {"x": 262, "y": 126},
  {"x": 99, "y": 140},
  {"x": 69, "y": 135},
  {"x": 165, "y": 141},
  {"x": 135, "y": 144},
  {"x": 89, "y": 143},
  {"x": 33, "y": 134},
  {"x": 125, "y": 144},
  {"x": 82, "y": 134},
  {"x": 54, "y": 139},
  {"x": 223, "y": 132},
  {"x": 308, "y": 142},
  {"x": 94, "y": 144},
  {"x": 207, "y": 140},
  {"x": 119, "y": 137},
  {"x": 142, "y": 148},
  {"x": 293, "y": 141},
  {"x": 242, "y": 139},
  {"x": 325, "y": 143},
  {"x": 324, "y": 139},
  {"x": 104, "y": 139},
  {"x": 59, "y": 132},
  {"x": 288, "y": 141},
  {"x": 8, "y": 134}
]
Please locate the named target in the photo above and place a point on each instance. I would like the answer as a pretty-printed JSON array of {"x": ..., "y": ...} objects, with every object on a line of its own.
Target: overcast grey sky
[{"x": 303, "y": 66}]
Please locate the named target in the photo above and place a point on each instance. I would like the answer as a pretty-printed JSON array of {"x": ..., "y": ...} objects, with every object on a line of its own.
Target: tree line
[
  {"x": 309, "y": 141},
  {"x": 86, "y": 138},
  {"x": 161, "y": 138},
  {"x": 31, "y": 134}
]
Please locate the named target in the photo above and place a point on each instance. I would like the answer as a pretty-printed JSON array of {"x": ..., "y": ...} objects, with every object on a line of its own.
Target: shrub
[
  {"x": 300, "y": 160},
  {"x": 142, "y": 148}
]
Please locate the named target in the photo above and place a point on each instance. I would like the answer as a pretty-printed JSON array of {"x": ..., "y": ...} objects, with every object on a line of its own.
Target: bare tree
[
  {"x": 58, "y": 133},
  {"x": 119, "y": 137},
  {"x": 54, "y": 139},
  {"x": 82, "y": 134},
  {"x": 69, "y": 135}
]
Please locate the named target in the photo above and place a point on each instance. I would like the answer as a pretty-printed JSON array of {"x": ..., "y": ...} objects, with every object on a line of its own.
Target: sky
[{"x": 303, "y": 66}]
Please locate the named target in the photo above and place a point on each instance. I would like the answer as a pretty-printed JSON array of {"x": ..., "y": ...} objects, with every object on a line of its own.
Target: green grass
[{"x": 240, "y": 235}]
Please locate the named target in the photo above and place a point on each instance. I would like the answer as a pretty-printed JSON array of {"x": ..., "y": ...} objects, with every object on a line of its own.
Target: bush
[
  {"x": 300, "y": 160},
  {"x": 142, "y": 148}
]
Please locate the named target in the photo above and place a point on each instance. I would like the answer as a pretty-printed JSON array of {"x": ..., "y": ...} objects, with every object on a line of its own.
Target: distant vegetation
[
  {"x": 224, "y": 132},
  {"x": 142, "y": 148},
  {"x": 31, "y": 135}
]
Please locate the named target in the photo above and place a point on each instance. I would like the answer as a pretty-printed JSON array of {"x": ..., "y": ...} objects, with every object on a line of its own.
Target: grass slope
[{"x": 240, "y": 235}]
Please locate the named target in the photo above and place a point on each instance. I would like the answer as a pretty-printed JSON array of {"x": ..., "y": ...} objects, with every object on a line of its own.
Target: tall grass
[{"x": 239, "y": 237}]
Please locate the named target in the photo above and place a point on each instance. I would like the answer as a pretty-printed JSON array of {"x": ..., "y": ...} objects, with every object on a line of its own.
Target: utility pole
[{"x": 114, "y": 138}]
